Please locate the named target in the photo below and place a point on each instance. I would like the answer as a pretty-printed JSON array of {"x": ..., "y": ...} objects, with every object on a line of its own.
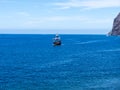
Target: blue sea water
[{"x": 82, "y": 62}]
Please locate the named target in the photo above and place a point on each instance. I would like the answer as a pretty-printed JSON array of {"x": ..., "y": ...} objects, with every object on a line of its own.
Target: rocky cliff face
[{"x": 116, "y": 26}]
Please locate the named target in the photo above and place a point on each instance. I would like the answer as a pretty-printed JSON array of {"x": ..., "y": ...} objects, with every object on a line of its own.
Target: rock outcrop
[{"x": 116, "y": 26}]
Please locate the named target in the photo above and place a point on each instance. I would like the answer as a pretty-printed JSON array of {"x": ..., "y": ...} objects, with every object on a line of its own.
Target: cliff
[{"x": 116, "y": 26}]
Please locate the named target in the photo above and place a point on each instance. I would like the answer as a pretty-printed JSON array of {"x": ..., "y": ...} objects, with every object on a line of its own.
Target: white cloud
[
  {"x": 23, "y": 13},
  {"x": 58, "y": 22},
  {"x": 7, "y": 1},
  {"x": 55, "y": 19},
  {"x": 66, "y": 18},
  {"x": 67, "y": 22},
  {"x": 89, "y": 4}
]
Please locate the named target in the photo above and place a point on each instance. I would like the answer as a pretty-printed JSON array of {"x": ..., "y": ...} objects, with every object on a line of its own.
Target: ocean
[{"x": 82, "y": 62}]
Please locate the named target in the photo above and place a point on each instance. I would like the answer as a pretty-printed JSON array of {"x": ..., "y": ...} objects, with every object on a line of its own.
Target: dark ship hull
[{"x": 57, "y": 43}]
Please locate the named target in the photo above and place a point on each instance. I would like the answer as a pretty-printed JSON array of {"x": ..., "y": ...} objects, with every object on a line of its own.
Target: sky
[{"x": 58, "y": 16}]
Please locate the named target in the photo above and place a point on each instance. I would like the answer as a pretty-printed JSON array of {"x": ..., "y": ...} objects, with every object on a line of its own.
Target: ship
[{"x": 56, "y": 40}]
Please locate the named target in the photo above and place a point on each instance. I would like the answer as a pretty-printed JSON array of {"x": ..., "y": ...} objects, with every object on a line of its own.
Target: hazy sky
[{"x": 62, "y": 16}]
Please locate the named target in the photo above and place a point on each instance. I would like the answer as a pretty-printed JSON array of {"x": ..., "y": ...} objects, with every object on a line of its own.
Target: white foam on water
[
  {"x": 89, "y": 42},
  {"x": 106, "y": 83},
  {"x": 56, "y": 63},
  {"x": 110, "y": 50},
  {"x": 101, "y": 84}
]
